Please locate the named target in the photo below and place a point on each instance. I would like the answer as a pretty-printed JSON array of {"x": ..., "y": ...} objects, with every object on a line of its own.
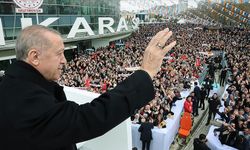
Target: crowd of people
[
  {"x": 103, "y": 69},
  {"x": 235, "y": 128},
  {"x": 107, "y": 66}
]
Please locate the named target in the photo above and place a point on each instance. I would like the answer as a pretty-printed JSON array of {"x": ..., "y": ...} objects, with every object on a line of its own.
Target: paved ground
[{"x": 198, "y": 126}]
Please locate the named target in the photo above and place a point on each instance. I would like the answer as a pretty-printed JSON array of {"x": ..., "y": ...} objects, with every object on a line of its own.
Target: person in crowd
[
  {"x": 216, "y": 78},
  {"x": 203, "y": 97},
  {"x": 211, "y": 69},
  {"x": 188, "y": 105},
  {"x": 223, "y": 75},
  {"x": 136, "y": 119},
  {"x": 240, "y": 143},
  {"x": 146, "y": 133},
  {"x": 197, "y": 93},
  {"x": 177, "y": 96},
  {"x": 225, "y": 115},
  {"x": 246, "y": 135},
  {"x": 213, "y": 105},
  {"x": 195, "y": 104},
  {"x": 227, "y": 134},
  {"x": 159, "y": 121},
  {"x": 38, "y": 116},
  {"x": 200, "y": 143},
  {"x": 208, "y": 84},
  {"x": 186, "y": 85}
]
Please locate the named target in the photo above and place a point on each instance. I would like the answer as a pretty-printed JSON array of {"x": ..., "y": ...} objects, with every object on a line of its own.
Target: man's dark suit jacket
[
  {"x": 199, "y": 145},
  {"x": 146, "y": 133},
  {"x": 35, "y": 115},
  {"x": 197, "y": 92}
]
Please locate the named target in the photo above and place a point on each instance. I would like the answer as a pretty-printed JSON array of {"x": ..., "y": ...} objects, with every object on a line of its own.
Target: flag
[
  {"x": 87, "y": 83},
  {"x": 104, "y": 87}
]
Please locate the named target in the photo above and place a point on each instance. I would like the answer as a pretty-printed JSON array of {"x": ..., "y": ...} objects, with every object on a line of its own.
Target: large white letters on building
[{"x": 122, "y": 25}]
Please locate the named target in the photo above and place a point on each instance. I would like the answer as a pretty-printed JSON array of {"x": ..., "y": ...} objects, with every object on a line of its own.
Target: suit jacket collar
[{"x": 26, "y": 72}]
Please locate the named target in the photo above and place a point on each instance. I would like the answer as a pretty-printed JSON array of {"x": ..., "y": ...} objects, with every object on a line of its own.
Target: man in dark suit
[
  {"x": 223, "y": 76},
  {"x": 200, "y": 143},
  {"x": 195, "y": 104},
  {"x": 146, "y": 133},
  {"x": 197, "y": 93},
  {"x": 34, "y": 112},
  {"x": 211, "y": 69},
  {"x": 208, "y": 82},
  {"x": 203, "y": 96},
  {"x": 213, "y": 105}
]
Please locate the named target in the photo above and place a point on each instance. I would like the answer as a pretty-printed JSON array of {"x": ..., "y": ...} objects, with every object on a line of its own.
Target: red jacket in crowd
[
  {"x": 87, "y": 83},
  {"x": 188, "y": 106}
]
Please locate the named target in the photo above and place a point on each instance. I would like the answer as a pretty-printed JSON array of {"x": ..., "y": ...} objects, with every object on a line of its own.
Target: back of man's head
[{"x": 202, "y": 137}]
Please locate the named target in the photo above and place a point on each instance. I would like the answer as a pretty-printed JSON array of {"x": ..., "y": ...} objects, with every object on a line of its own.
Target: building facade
[
  {"x": 67, "y": 11},
  {"x": 183, "y": 5}
]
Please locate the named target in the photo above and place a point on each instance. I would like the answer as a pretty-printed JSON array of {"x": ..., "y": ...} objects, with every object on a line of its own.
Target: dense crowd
[
  {"x": 107, "y": 66},
  {"x": 103, "y": 69},
  {"x": 235, "y": 128}
]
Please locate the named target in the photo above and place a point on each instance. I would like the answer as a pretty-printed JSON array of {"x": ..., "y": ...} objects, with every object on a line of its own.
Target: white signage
[
  {"x": 29, "y": 6},
  {"x": 103, "y": 22},
  {"x": 75, "y": 28},
  {"x": 25, "y": 10},
  {"x": 102, "y": 25}
]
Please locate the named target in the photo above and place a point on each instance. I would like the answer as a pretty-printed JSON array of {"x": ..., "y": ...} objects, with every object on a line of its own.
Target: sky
[{"x": 135, "y": 5}]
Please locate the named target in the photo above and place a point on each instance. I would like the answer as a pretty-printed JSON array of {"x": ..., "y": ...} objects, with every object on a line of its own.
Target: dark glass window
[
  {"x": 7, "y": 21},
  {"x": 84, "y": 10},
  {"x": 49, "y": 1},
  {"x": 7, "y": 8},
  {"x": 64, "y": 29},
  {"x": 64, "y": 20},
  {"x": 70, "y": 10},
  {"x": 87, "y": 18},
  {"x": 49, "y": 9}
]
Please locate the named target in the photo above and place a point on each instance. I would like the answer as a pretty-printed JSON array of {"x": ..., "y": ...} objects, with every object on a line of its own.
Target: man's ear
[{"x": 33, "y": 57}]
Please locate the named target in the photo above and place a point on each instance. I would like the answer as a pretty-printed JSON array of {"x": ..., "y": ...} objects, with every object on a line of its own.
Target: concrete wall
[{"x": 102, "y": 42}]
